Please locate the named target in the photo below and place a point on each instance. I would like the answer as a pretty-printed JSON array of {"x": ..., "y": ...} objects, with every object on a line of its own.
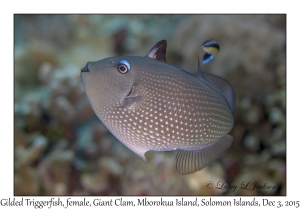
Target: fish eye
[{"x": 123, "y": 66}]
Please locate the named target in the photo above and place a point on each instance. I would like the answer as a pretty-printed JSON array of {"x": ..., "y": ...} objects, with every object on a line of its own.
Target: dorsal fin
[
  {"x": 200, "y": 72},
  {"x": 158, "y": 52},
  {"x": 224, "y": 87},
  {"x": 220, "y": 84}
]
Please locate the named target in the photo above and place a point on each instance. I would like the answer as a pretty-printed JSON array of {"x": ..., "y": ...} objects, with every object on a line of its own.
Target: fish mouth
[{"x": 85, "y": 68}]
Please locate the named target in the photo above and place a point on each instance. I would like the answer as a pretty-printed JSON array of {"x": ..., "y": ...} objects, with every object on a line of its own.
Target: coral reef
[{"x": 62, "y": 148}]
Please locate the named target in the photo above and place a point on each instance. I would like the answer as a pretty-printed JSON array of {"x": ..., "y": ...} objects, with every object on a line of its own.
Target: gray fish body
[{"x": 157, "y": 106}]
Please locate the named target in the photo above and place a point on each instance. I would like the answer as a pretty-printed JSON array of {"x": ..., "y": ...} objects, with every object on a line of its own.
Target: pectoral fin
[
  {"x": 130, "y": 103},
  {"x": 189, "y": 161},
  {"x": 131, "y": 99}
]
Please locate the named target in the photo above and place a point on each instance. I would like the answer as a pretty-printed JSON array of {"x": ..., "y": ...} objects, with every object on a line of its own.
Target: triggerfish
[
  {"x": 149, "y": 104},
  {"x": 211, "y": 47}
]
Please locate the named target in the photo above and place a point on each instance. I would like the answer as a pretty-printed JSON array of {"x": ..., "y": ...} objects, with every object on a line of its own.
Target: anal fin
[{"x": 190, "y": 161}]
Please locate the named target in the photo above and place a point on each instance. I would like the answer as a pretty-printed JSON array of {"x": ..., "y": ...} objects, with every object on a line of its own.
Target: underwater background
[{"x": 62, "y": 148}]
